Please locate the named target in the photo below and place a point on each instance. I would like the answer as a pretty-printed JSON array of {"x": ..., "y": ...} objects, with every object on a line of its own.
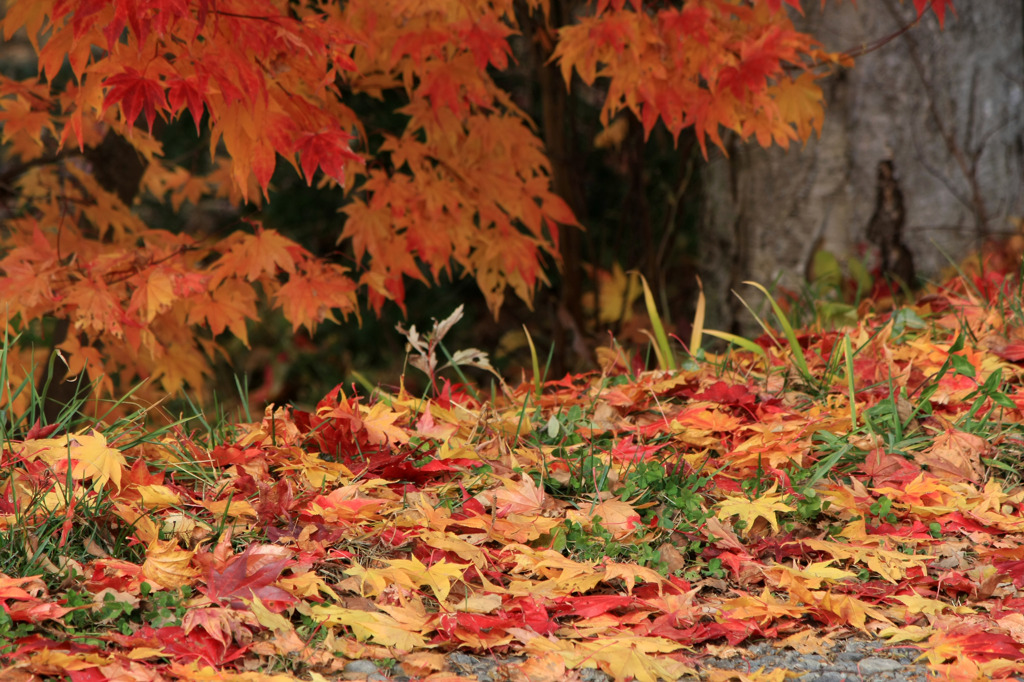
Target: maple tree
[{"x": 460, "y": 188}]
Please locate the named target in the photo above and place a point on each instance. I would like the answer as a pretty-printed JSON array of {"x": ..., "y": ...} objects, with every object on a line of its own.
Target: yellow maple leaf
[
  {"x": 379, "y": 421},
  {"x": 437, "y": 576},
  {"x": 157, "y": 496},
  {"x": 625, "y": 657},
  {"x": 268, "y": 619},
  {"x": 167, "y": 565},
  {"x": 567, "y": 574},
  {"x": 306, "y": 585},
  {"x": 801, "y": 103},
  {"x": 628, "y": 573},
  {"x": 907, "y": 633},
  {"x": 89, "y": 456},
  {"x": 231, "y": 508},
  {"x": 764, "y": 507},
  {"x": 616, "y": 516},
  {"x": 154, "y": 295},
  {"x": 411, "y": 614},
  {"x": 915, "y": 603},
  {"x": 453, "y": 543},
  {"x": 812, "y": 575},
  {"x": 764, "y": 608},
  {"x": 853, "y": 611},
  {"x": 59, "y": 660},
  {"x": 380, "y": 628},
  {"x": 890, "y": 564}
]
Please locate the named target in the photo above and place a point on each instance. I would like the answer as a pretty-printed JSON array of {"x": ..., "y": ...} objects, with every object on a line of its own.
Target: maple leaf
[
  {"x": 377, "y": 627},
  {"x": 955, "y": 455},
  {"x": 256, "y": 255},
  {"x": 514, "y": 497},
  {"x": 328, "y": 149},
  {"x": 621, "y": 657},
  {"x": 891, "y": 565},
  {"x": 341, "y": 506},
  {"x": 616, "y": 516},
  {"x": 135, "y": 93},
  {"x": 801, "y": 103},
  {"x": 228, "y": 306},
  {"x": 179, "y": 645},
  {"x": 309, "y": 298},
  {"x": 813, "y": 575},
  {"x": 14, "y": 587},
  {"x": 167, "y": 565},
  {"x": 250, "y": 575},
  {"x": 438, "y": 576},
  {"x": 19, "y": 117},
  {"x": 188, "y": 92},
  {"x": 764, "y": 506},
  {"x": 980, "y": 646},
  {"x": 37, "y": 611},
  {"x": 88, "y": 455},
  {"x": 763, "y": 608},
  {"x": 628, "y": 573},
  {"x": 155, "y": 295},
  {"x": 932, "y": 607},
  {"x": 379, "y": 422},
  {"x": 937, "y": 6}
]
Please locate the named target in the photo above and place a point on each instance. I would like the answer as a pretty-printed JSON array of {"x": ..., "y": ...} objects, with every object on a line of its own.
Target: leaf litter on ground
[{"x": 633, "y": 522}]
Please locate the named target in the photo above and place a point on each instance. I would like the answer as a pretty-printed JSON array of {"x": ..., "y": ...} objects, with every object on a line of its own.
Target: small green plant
[
  {"x": 881, "y": 510},
  {"x": 566, "y": 434},
  {"x": 11, "y": 632},
  {"x": 679, "y": 493},
  {"x": 160, "y": 608},
  {"x": 597, "y": 543},
  {"x": 715, "y": 569}
]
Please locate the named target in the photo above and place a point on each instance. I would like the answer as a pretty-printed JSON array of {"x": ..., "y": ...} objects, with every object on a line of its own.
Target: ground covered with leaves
[{"x": 798, "y": 489}]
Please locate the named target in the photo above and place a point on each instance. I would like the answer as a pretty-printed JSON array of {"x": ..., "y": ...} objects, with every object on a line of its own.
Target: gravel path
[
  {"x": 853, "y": 659},
  {"x": 844, "y": 661}
]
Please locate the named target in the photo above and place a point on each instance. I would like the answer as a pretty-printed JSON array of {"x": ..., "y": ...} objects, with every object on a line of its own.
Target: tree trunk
[{"x": 945, "y": 106}]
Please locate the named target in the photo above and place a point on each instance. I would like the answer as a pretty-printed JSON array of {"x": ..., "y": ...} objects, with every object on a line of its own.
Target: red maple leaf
[
  {"x": 938, "y": 6},
  {"x": 328, "y": 149},
  {"x": 248, "y": 575},
  {"x": 197, "y": 645},
  {"x": 188, "y": 91},
  {"x": 135, "y": 92}
]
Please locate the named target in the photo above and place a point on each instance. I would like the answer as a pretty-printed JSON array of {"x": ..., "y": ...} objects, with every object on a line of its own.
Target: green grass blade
[
  {"x": 696, "y": 336},
  {"x": 745, "y": 344},
  {"x": 458, "y": 371},
  {"x": 665, "y": 357},
  {"x": 848, "y": 352},
  {"x": 798, "y": 353},
  {"x": 535, "y": 361}
]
